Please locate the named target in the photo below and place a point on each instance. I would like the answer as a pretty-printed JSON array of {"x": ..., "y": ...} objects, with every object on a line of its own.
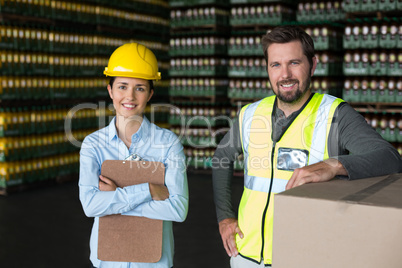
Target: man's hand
[
  {"x": 158, "y": 192},
  {"x": 319, "y": 172},
  {"x": 228, "y": 228},
  {"x": 106, "y": 184}
]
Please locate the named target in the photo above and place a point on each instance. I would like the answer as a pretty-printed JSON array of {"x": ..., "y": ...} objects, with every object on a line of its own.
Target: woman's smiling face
[{"x": 130, "y": 96}]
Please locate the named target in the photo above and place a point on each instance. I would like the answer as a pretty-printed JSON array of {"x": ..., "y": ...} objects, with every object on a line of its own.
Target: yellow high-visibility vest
[{"x": 262, "y": 178}]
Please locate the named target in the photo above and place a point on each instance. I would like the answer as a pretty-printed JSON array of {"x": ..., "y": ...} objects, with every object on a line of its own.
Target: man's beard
[{"x": 292, "y": 97}]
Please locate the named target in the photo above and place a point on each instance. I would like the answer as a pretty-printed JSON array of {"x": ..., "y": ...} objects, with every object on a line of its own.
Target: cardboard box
[{"x": 342, "y": 224}]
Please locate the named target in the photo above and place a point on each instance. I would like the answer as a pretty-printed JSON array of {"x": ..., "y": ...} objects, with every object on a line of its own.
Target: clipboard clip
[{"x": 134, "y": 157}]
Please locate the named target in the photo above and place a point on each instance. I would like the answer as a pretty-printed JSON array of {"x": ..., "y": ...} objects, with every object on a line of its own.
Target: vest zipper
[{"x": 269, "y": 196}]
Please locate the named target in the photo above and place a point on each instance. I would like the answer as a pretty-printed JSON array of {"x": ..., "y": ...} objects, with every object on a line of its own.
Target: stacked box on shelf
[
  {"x": 372, "y": 55},
  {"x": 200, "y": 128},
  {"x": 321, "y": 21},
  {"x": 320, "y": 11},
  {"x": 198, "y": 72},
  {"x": 189, "y": 3},
  {"x": 198, "y": 66},
  {"x": 371, "y": 5},
  {"x": 199, "y": 115},
  {"x": 373, "y": 90},
  {"x": 327, "y": 37},
  {"x": 52, "y": 56},
  {"x": 388, "y": 125},
  {"x": 327, "y": 85},
  {"x": 247, "y": 68},
  {"x": 372, "y": 33},
  {"x": 21, "y": 148},
  {"x": 198, "y": 87},
  {"x": 245, "y": 45},
  {"x": 244, "y": 90},
  {"x": 157, "y": 8},
  {"x": 261, "y": 13},
  {"x": 37, "y": 169},
  {"x": 372, "y": 63},
  {"x": 329, "y": 64},
  {"x": 34, "y": 71},
  {"x": 137, "y": 15},
  {"x": 199, "y": 17},
  {"x": 47, "y": 119},
  {"x": 200, "y": 45},
  {"x": 50, "y": 88},
  {"x": 39, "y": 136}
]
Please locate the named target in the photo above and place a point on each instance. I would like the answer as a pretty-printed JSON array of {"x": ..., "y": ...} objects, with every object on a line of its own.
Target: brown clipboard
[{"x": 130, "y": 238}]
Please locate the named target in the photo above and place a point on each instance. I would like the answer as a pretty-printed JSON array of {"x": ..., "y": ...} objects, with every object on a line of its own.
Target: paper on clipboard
[{"x": 130, "y": 238}]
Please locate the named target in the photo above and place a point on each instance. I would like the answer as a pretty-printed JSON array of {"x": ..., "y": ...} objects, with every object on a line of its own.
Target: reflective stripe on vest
[
  {"x": 322, "y": 123},
  {"x": 262, "y": 184},
  {"x": 309, "y": 131}
]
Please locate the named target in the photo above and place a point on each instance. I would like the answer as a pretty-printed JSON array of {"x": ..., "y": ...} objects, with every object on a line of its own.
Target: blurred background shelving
[
  {"x": 199, "y": 81},
  {"x": 52, "y": 89},
  {"x": 52, "y": 55}
]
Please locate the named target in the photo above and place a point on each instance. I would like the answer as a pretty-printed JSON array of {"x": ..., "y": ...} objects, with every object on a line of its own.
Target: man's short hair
[{"x": 288, "y": 33}]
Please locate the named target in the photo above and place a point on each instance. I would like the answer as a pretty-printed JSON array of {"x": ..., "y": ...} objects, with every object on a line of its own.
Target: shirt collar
[
  {"x": 112, "y": 129},
  {"x": 143, "y": 131}
]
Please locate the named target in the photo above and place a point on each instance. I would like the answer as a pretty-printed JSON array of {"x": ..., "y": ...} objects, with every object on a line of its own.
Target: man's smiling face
[{"x": 289, "y": 71}]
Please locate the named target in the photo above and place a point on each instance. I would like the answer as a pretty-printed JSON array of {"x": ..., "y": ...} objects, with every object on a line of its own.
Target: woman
[{"x": 132, "y": 68}]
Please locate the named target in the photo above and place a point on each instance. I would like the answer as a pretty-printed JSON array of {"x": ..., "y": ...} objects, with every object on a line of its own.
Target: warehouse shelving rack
[
  {"x": 372, "y": 65},
  {"x": 198, "y": 50},
  {"x": 199, "y": 91},
  {"x": 52, "y": 58}
]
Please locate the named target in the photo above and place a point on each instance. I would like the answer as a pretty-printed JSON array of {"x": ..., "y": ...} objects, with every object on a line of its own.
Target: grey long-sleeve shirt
[{"x": 360, "y": 149}]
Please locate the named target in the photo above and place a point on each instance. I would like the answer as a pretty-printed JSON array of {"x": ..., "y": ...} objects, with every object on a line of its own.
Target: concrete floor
[{"x": 46, "y": 227}]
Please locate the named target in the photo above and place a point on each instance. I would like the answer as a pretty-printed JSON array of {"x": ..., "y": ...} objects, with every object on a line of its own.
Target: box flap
[{"x": 379, "y": 191}]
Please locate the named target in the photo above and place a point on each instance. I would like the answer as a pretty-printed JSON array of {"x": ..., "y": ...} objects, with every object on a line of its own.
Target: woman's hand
[
  {"x": 158, "y": 192},
  {"x": 106, "y": 184}
]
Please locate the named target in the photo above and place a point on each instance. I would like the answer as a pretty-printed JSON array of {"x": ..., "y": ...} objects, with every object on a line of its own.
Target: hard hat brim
[{"x": 132, "y": 75}]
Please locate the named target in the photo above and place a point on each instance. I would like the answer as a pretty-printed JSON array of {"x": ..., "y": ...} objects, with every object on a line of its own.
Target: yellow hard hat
[{"x": 133, "y": 60}]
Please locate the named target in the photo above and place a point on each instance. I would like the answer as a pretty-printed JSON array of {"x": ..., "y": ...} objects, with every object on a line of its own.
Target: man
[{"x": 287, "y": 140}]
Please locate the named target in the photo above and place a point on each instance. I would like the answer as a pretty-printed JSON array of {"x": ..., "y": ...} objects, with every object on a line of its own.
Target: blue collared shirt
[{"x": 152, "y": 144}]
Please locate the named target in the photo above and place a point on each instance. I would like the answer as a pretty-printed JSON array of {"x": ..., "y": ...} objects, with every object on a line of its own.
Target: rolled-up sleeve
[
  {"x": 98, "y": 203},
  {"x": 174, "y": 208}
]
